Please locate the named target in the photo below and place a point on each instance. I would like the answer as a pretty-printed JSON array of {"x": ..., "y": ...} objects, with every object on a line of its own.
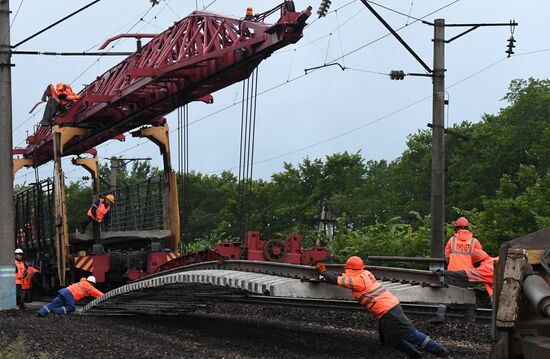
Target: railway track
[{"x": 192, "y": 287}]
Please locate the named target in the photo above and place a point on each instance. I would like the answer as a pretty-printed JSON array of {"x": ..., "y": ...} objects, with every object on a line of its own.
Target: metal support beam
[
  {"x": 90, "y": 164},
  {"x": 19, "y": 163},
  {"x": 160, "y": 136},
  {"x": 66, "y": 134},
  {"x": 7, "y": 219},
  {"x": 60, "y": 209}
]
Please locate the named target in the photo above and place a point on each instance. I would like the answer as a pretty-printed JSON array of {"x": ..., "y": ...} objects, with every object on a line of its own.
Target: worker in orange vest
[
  {"x": 57, "y": 99},
  {"x": 20, "y": 274},
  {"x": 100, "y": 211},
  {"x": 483, "y": 273},
  {"x": 394, "y": 327},
  {"x": 459, "y": 249},
  {"x": 65, "y": 302},
  {"x": 26, "y": 285}
]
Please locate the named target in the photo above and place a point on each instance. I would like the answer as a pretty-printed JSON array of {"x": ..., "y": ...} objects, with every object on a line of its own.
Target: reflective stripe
[
  {"x": 64, "y": 310},
  {"x": 350, "y": 280},
  {"x": 366, "y": 294},
  {"x": 475, "y": 275},
  {"x": 47, "y": 309},
  {"x": 425, "y": 342},
  {"x": 455, "y": 251},
  {"x": 84, "y": 292},
  {"x": 374, "y": 297}
]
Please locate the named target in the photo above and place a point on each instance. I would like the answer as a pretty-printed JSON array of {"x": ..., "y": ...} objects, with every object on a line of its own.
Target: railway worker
[
  {"x": 20, "y": 274},
  {"x": 459, "y": 248},
  {"x": 100, "y": 211},
  {"x": 57, "y": 99},
  {"x": 482, "y": 274},
  {"x": 66, "y": 299},
  {"x": 394, "y": 327},
  {"x": 26, "y": 285}
]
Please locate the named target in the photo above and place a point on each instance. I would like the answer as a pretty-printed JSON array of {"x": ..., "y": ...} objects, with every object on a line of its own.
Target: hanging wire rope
[
  {"x": 246, "y": 148},
  {"x": 183, "y": 169}
]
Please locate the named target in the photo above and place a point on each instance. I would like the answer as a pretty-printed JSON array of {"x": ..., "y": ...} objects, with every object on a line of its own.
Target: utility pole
[
  {"x": 438, "y": 142},
  {"x": 438, "y": 115},
  {"x": 114, "y": 167},
  {"x": 7, "y": 219}
]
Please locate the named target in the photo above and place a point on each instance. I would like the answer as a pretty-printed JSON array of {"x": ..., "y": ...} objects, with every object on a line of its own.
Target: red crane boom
[{"x": 198, "y": 55}]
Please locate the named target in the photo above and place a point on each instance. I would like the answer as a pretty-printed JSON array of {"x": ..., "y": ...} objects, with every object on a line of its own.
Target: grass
[{"x": 18, "y": 349}]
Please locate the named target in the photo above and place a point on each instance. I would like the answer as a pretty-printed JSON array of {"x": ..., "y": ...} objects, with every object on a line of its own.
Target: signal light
[
  {"x": 323, "y": 8},
  {"x": 511, "y": 46},
  {"x": 397, "y": 75}
]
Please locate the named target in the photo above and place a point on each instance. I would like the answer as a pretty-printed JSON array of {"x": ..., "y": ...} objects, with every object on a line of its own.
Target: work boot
[
  {"x": 439, "y": 315},
  {"x": 470, "y": 315}
]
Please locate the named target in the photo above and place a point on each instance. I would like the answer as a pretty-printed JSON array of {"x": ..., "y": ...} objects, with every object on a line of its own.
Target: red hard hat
[
  {"x": 462, "y": 222},
  {"x": 355, "y": 263}
]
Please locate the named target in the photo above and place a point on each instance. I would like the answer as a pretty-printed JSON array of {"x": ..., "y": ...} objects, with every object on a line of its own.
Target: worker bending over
[
  {"x": 65, "y": 302},
  {"x": 100, "y": 211},
  {"x": 482, "y": 274},
  {"x": 57, "y": 100},
  {"x": 394, "y": 327}
]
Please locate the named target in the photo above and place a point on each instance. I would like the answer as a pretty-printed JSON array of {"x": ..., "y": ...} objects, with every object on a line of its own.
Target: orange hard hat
[
  {"x": 355, "y": 263},
  {"x": 60, "y": 86},
  {"x": 479, "y": 256},
  {"x": 462, "y": 222}
]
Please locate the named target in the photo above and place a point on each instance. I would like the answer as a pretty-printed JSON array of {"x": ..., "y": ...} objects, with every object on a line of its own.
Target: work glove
[
  {"x": 25, "y": 272},
  {"x": 321, "y": 268},
  {"x": 438, "y": 272},
  {"x": 95, "y": 219}
]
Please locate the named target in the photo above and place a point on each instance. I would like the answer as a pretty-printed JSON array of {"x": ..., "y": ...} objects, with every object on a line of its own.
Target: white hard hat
[
  {"x": 91, "y": 279},
  {"x": 18, "y": 251}
]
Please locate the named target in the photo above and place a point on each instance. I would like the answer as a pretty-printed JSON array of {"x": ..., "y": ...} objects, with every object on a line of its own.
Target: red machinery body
[
  {"x": 198, "y": 55},
  {"x": 253, "y": 248}
]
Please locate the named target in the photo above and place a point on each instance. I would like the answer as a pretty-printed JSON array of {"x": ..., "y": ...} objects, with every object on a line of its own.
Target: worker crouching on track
[
  {"x": 394, "y": 327},
  {"x": 99, "y": 212},
  {"x": 65, "y": 302}
]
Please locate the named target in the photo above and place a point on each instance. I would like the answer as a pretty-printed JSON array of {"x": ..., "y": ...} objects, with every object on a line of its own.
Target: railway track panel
[{"x": 186, "y": 289}]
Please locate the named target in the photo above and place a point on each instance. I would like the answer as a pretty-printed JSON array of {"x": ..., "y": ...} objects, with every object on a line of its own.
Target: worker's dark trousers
[
  {"x": 422, "y": 341},
  {"x": 96, "y": 226},
  {"x": 19, "y": 296},
  {"x": 61, "y": 305}
]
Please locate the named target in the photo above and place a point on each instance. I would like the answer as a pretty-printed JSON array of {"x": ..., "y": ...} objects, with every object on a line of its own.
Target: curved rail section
[{"x": 183, "y": 291}]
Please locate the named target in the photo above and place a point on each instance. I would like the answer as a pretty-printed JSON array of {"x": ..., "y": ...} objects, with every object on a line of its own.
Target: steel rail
[
  {"x": 415, "y": 309},
  {"x": 403, "y": 275}
]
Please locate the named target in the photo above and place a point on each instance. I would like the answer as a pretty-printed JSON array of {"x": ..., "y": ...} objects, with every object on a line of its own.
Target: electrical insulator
[
  {"x": 511, "y": 46},
  {"x": 323, "y": 8},
  {"x": 397, "y": 75}
]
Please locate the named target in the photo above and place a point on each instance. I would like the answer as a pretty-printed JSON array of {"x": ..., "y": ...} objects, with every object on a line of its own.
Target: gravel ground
[{"x": 227, "y": 331}]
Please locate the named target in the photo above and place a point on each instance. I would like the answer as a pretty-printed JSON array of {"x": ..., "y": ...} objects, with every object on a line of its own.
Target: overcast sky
[{"x": 327, "y": 111}]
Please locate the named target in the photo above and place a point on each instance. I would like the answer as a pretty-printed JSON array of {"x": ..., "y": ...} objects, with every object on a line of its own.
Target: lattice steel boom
[{"x": 198, "y": 55}]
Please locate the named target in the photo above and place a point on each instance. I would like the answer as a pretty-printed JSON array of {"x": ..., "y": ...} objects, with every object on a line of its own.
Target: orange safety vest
[
  {"x": 20, "y": 268},
  {"x": 483, "y": 274},
  {"x": 459, "y": 249},
  {"x": 83, "y": 289},
  {"x": 64, "y": 89},
  {"x": 368, "y": 292},
  {"x": 27, "y": 281},
  {"x": 101, "y": 210}
]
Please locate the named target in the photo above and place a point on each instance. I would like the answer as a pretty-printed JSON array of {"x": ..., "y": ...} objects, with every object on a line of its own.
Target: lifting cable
[
  {"x": 183, "y": 169},
  {"x": 247, "y": 144}
]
